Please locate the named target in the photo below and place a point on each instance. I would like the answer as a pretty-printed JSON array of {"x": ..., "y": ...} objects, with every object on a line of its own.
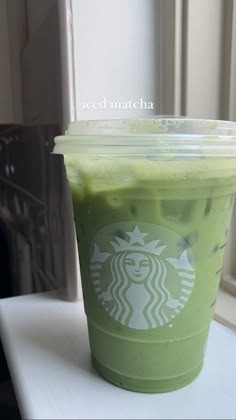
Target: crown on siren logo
[{"x": 136, "y": 243}]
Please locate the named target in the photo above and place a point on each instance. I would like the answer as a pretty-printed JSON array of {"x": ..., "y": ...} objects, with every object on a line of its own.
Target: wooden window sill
[{"x": 225, "y": 309}]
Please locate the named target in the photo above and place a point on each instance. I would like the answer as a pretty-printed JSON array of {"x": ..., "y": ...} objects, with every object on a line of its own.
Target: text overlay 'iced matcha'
[{"x": 152, "y": 200}]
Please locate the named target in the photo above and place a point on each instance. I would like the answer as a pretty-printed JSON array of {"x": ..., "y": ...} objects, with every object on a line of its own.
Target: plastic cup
[{"x": 152, "y": 200}]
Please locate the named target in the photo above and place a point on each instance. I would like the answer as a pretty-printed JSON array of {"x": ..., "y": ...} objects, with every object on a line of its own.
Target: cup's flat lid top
[
  {"x": 164, "y": 137},
  {"x": 152, "y": 125}
]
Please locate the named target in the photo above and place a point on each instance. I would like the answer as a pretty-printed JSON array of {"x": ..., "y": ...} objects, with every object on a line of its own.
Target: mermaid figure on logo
[{"x": 138, "y": 291}]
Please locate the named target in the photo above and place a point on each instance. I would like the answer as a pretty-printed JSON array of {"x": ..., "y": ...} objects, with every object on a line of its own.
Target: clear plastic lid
[{"x": 163, "y": 137}]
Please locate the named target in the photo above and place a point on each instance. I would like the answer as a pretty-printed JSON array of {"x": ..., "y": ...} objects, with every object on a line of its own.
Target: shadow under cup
[{"x": 151, "y": 230}]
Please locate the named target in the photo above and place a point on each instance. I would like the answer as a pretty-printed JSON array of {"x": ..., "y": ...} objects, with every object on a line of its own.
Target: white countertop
[{"x": 46, "y": 345}]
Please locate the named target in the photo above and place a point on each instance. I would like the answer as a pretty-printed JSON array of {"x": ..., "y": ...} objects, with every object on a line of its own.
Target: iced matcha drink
[{"x": 151, "y": 226}]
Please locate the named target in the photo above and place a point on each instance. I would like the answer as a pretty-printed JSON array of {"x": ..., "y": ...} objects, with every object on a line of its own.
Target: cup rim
[
  {"x": 159, "y": 135},
  {"x": 151, "y": 125}
]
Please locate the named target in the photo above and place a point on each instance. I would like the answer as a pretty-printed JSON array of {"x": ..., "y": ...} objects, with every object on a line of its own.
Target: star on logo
[
  {"x": 136, "y": 236},
  {"x": 99, "y": 256},
  {"x": 181, "y": 263}
]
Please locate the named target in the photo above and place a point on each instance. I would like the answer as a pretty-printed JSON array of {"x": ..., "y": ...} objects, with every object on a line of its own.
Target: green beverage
[{"x": 152, "y": 201}]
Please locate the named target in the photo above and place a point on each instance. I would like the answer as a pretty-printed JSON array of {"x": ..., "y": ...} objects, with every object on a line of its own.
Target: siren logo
[{"x": 143, "y": 274}]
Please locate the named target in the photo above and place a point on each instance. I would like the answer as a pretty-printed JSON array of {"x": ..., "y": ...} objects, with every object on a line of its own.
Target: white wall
[
  {"x": 169, "y": 52},
  {"x": 12, "y": 38},
  {"x": 40, "y": 65},
  {"x": 203, "y": 55},
  {"x": 6, "y": 106},
  {"x": 232, "y": 87},
  {"x": 20, "y": 21},
  {"x": 37, "y": 12},
  {"x": 116, "y": 53}
]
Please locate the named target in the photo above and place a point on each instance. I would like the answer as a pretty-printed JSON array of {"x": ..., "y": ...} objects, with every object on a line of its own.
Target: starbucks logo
[{"x": 143, "y": 274}]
